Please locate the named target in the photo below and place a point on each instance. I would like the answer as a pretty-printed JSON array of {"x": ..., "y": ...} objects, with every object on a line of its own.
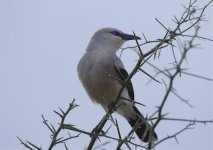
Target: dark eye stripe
[{"x": 116, "y": 33}]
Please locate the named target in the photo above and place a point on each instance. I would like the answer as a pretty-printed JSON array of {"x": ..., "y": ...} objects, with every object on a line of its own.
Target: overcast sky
[{"x": 41, "y": 42}]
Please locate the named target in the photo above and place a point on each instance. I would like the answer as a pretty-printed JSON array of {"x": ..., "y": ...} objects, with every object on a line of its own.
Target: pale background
[{"x": 41, "y": 43}]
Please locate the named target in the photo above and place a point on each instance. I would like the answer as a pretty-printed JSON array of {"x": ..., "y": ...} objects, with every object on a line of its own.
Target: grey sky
[{"x": 41, "y": 43}]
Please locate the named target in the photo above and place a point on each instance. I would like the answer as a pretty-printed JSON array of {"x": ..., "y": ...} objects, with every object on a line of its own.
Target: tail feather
[{"x": 143, "y": 131}]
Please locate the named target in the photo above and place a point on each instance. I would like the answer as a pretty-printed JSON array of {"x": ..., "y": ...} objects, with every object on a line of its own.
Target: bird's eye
[{"x": 116, "y": 33}]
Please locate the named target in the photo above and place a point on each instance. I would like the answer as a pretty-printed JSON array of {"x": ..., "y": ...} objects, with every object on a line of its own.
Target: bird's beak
[{"x": 127, "y": 37}]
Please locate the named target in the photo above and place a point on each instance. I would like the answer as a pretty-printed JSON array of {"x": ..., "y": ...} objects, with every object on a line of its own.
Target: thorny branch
[
  {"x": 189, "y": 19},
  {"x": 55, "y": 132},
  {"x": 172, "y": 77},
  {"x": 166, "y": 41}
]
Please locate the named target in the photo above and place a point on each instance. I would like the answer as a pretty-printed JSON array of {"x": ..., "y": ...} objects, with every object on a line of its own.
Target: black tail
[{"x": 143, "y": 132}]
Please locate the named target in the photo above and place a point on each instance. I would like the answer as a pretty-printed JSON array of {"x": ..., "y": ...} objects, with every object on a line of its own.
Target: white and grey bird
[{"x": 94, "y": 71}]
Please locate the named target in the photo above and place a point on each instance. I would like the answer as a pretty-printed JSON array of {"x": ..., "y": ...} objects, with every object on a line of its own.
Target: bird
[{"x": 98, "y": 70}]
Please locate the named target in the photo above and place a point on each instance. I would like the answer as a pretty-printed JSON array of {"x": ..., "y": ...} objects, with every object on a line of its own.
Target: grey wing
[{"x": 124, "y": 75}]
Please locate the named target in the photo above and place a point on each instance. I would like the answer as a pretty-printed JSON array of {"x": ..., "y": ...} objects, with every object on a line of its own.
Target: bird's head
[{"x": 110, "y": 38}]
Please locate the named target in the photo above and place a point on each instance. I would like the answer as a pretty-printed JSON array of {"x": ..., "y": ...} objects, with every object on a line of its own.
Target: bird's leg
[{"x": 112, "y": 106}]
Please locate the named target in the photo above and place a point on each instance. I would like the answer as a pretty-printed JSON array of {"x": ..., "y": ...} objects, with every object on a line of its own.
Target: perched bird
[{"x": 96, "y": 69}]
